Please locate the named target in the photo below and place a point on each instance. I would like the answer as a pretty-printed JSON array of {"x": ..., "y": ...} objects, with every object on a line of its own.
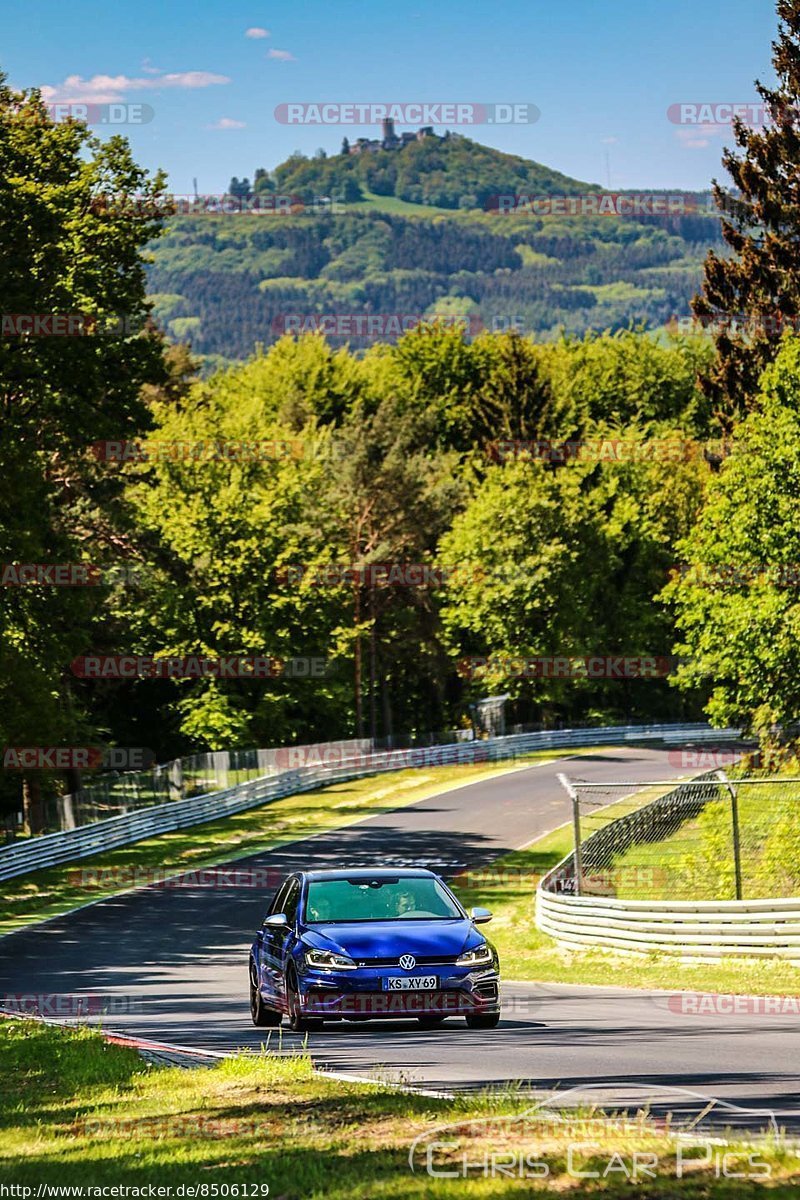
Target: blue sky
[{"x": 602, "y": 72}]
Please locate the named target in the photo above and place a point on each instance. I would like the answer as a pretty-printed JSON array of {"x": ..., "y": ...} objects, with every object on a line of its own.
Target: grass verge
[{"x": 76, "y": 1112}]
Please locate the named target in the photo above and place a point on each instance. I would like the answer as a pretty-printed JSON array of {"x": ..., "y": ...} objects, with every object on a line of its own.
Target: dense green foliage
[
  {"x": 392, "y": 461},
  {"x": 736, "y": 602},
  {"x": 227, "y": 283}
]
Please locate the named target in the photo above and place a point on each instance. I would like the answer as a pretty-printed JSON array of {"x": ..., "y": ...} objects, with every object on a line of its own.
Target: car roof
[{"x": 369, "y": 873}]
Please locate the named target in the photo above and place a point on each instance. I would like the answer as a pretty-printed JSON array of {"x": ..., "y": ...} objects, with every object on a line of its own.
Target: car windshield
[{"x": 387, "y": 899}]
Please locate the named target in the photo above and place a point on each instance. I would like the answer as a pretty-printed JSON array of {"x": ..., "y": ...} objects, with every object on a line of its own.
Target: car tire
[
  {"x": 483, "y": 1020},
  {"x": 430, "y": 1022},
  {"x": 260, "y": 1014},
  {"x": 297, "y": 1022}
]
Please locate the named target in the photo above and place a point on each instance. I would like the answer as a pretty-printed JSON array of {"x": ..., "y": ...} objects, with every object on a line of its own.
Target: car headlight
[
  {"x": 479, "y": 956},
  {"x": 329, "y": 961}
]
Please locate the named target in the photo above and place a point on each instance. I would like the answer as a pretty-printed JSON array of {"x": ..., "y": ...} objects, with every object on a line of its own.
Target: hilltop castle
[{"x": 391, "y": 141}]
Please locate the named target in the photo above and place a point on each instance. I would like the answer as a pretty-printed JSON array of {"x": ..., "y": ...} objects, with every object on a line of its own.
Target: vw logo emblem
[{"x": 407, "y": 962}]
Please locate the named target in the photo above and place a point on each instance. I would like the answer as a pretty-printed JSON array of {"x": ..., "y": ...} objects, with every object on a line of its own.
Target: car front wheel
[
  {"x": 297, "y": 1021},
  {"x": 483, "y": 1020},
  {"x": 260, "y": 1014}
]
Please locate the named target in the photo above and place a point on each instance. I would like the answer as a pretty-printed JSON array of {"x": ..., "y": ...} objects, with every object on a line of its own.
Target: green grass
[
  {"x": 372, "y": 202},
  {"x": 75, "y": 1111},
  {"x": 44, "y": 894}
]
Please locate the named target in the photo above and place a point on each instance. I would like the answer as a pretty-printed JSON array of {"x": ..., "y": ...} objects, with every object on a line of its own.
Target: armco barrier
[
  {"x": 33, "y": 854},
  {"x": 694, "y": 929},
  {"x": 710, "y": 929}
]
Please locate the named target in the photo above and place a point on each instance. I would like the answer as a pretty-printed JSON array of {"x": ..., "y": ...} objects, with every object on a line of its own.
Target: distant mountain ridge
[{"x": 416, "y": 233}]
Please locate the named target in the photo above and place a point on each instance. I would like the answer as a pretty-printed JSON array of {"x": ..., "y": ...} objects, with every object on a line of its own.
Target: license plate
[{"x": 411, "y": 983}]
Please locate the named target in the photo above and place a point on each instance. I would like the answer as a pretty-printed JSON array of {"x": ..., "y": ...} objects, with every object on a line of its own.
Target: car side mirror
[
  {"x": 479, "y": 916},
  {"x": 276, "y": 921}
]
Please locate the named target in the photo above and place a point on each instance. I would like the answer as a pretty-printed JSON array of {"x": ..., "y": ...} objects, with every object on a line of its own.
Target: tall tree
[
  {"x": 736, "y": 599},
  {"x": 749, "y": 298},
  {"x": 70, "y": 262}
]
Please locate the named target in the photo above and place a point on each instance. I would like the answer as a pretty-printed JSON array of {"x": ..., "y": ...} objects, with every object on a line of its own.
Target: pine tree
[
  {"x": 749, "y": 299},
  {"x": 345, "y": 146}
]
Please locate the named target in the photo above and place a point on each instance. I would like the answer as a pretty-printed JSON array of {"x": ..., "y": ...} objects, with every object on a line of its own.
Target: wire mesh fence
[
  {"x": 115, "y": 794},
  {"x": 716, "y": 837}
]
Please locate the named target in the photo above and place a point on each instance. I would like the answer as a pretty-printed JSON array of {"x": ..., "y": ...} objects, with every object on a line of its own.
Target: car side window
[
  {"x": 291, "y": 902},
  {"x": 280, "y": 896}
]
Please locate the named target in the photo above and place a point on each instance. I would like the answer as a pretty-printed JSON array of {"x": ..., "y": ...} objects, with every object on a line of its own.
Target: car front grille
[{"x": 426, "y": 960}]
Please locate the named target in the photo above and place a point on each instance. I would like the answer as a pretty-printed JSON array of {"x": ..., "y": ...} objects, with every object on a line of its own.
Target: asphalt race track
[{"x": 171, "y": 964}]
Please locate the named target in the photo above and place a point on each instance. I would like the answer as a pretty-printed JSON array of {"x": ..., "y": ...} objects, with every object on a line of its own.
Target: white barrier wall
[{"x": 710, "y": 929}]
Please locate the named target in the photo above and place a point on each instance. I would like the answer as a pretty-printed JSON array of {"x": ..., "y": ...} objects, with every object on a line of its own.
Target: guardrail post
[
  {"x": 576, "y": 825},
  {"x": 737, "y": 841}
]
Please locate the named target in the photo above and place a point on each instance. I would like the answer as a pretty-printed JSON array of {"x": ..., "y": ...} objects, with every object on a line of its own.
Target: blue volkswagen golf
[{"x": 365, "y": 945}]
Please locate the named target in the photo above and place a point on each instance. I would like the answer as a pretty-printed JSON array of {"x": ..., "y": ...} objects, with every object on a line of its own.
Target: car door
[
  {"x": 285, "y": 937},
  {"x": 277, "y": 942},
  {"x": 267, "y": 964}
]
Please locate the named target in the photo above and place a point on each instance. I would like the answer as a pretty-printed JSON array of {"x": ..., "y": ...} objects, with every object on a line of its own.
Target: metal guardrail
[
  {"x": 694, "y": 929},
  {"x": 37, "y": 853}
]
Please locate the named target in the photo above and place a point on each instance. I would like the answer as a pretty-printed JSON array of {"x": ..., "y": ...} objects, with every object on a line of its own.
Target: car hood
[{"x": 390, "y": 939}]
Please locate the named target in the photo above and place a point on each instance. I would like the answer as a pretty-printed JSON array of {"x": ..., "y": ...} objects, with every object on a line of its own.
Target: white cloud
[
  {"x": 105, "y": 89},
  {"x": 256, "y": 31},
  {"x": 698, "y": 137},
  {"x": 609, "y": 141},
  {"x": 281, "y": 55},
  {"x": 149, "y": 69},
  {"x": 227, "y": 123}
]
